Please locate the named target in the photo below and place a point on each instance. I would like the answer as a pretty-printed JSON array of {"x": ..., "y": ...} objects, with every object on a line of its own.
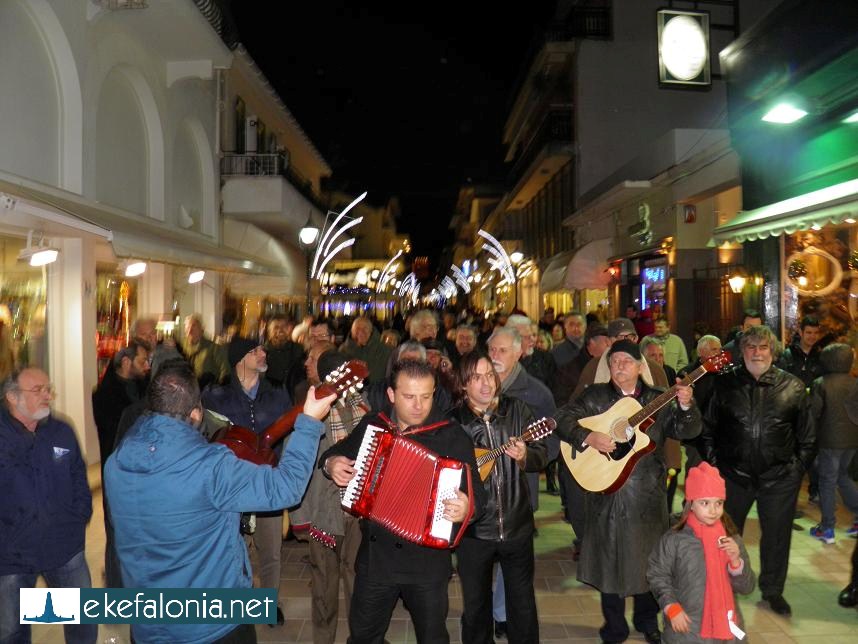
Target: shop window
[
  {"x": 820, "y": 279},
  {"x": 23, "y": 310},
  {"x": 116, "y": 309}
]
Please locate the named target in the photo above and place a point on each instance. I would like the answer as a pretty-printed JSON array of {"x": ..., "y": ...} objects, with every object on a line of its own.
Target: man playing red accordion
[{"x": 389, "y": 567}]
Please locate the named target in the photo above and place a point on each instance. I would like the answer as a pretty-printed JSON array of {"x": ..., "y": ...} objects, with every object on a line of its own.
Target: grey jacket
[{"x": 677, "y": 573}]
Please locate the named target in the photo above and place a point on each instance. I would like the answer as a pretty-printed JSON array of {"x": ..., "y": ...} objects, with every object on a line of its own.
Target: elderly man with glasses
[{"x": 46, "y": 503}]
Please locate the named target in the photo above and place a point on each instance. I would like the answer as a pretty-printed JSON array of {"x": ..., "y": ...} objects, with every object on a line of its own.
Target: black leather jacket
[
  {"x": 758, "y": 429},
  {"x": 508, "y": 514}
]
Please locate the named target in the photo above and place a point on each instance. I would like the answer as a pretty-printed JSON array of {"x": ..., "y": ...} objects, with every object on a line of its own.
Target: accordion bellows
[{"x": 401, "y": 485}]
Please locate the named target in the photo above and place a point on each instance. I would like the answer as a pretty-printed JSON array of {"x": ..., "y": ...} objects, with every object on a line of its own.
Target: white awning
[
  {"x": 555, "y": 273},
  {"x": 585, "y": 267},
  {"x": 832, "y": 205}
]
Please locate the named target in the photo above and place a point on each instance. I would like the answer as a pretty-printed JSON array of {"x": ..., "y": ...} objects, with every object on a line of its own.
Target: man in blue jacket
[
  {"x": 176, "y": 501},
  {"x": 45, "y": 504}
]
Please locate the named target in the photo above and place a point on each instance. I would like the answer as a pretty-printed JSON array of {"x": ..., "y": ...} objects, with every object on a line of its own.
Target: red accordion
[{"x": 401, "y": 485}]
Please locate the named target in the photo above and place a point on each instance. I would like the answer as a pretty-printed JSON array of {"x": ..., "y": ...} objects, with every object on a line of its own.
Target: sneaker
[
  {"x": 853, "y": 531},
  {"x": 823, "y": 534}
]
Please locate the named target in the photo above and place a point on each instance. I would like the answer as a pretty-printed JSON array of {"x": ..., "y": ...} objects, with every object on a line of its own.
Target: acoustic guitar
[
  {"x": 486, "y": 457},
  {"x": 259, "y": 448},
  {"x": 626, "y": 423}
]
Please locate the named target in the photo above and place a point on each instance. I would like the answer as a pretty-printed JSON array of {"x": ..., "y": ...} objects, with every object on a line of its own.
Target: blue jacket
[
  {"x": 45, "y": 502},
  {"x": 176, "y": 502}
]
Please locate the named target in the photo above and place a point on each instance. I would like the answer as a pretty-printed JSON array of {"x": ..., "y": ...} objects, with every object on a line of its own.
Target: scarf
[
  {"x": 718, "y": 596},
  {"x": 511, "y": 378}
]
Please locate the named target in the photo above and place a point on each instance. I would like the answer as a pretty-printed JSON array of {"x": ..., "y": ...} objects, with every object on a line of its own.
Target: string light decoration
[
  {"x": 324, "y": 250},
  {"x": 500, "y": 260}
]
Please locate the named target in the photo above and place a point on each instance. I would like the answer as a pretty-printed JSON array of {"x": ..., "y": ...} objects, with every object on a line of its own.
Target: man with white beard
[
  {"x": 759, "y": 432},
  {"x": 46, "y": 503}
]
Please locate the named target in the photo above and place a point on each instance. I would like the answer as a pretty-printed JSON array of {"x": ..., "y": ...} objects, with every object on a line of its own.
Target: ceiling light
[
  {"x": 196, "y": 276},
  {"x": 134, "y": 269},
  {"x": 784, "y": 113}
]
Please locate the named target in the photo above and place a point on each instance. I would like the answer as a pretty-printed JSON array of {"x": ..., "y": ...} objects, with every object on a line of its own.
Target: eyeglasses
[
  {"x": 40, "y": 390},
  {"x": 628, "y": 336}
]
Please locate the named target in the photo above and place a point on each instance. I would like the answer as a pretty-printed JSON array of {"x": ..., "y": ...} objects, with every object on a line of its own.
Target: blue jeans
[
  {"x": 72, "y": 574},
  {"x": 833, "y": 466}
]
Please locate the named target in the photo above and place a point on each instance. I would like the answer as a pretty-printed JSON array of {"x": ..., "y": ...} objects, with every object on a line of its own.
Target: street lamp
[
  {"x": 515, "y": 257},
  {"x": 307, "y": 238}
]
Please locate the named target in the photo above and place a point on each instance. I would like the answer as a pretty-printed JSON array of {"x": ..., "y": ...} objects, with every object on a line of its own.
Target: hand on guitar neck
[
  {"x": 318, "y": 408},
  {"x": 517, "y": 451}
]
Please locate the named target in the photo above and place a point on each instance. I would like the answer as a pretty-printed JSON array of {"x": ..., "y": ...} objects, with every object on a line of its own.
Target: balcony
[
  {"x": 546, "y": 150},
  {"x": 269, "y": 165}
]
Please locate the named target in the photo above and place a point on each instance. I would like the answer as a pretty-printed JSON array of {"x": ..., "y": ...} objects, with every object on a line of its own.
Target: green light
[
  {"x": 852, "y": 118},
  {"x": 784, "y": 113}
]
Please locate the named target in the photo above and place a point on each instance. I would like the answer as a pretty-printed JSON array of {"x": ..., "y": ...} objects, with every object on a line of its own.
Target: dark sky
[{"x": 404, "y": 99}]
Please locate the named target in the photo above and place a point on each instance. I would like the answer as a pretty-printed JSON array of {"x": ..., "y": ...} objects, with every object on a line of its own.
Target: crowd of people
[{"x": 181, "y": 511}]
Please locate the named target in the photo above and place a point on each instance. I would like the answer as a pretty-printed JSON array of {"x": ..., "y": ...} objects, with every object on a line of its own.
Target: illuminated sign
[{"x": 654, "y": 274}]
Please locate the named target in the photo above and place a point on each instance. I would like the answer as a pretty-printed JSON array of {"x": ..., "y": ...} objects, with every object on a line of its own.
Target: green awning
[{"x": 832, "y": 205}]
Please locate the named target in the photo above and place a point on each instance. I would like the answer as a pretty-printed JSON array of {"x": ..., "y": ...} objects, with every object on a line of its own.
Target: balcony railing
[
  {"x": 266, "y": 165},
  {"x": 556, "y": 127}
]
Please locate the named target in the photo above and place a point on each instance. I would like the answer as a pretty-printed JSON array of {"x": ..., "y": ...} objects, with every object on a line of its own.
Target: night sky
[{"x": 404, "y": 99}]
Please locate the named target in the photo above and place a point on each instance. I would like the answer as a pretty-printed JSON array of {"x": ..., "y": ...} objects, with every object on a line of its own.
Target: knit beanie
[
  {"x": 238, "y": 348},
  {"x": 704, "y": 482}
]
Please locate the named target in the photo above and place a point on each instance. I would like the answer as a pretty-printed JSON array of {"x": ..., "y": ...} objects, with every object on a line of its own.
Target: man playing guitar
[{"x": 622, "y": 527}]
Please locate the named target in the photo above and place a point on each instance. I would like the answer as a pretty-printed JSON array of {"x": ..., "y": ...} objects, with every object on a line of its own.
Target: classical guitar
[
  {"x": 259, "y": 448},
  {"x": 626, "y": 423},
  {"x": 536, "y": 430}
]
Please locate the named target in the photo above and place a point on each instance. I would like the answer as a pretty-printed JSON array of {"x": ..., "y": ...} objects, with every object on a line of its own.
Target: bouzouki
[
  {"x": 259, "y": 448},
  {"x": 486, "y": 457},
  {"x": 626, "y": 423}
]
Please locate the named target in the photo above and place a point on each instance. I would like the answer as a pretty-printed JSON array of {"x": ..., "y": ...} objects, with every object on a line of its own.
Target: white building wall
[{"x": 106, "y": 105}]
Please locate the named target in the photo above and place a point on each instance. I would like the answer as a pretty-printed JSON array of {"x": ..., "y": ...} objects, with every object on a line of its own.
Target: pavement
[{"x": 568, "y": 610}]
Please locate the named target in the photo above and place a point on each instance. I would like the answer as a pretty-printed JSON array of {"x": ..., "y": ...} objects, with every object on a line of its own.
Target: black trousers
[
  {"x": 476, "y": 559},
  {"x": 243, "y": 634},
  {"x": 644, "y": 618},
  {"x": 373, "y": 603},
  {"x": 576, "y": 496},
  {"x": 776, "y": 501}
]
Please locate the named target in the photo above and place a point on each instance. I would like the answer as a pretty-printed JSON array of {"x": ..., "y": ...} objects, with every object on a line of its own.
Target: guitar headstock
[
  {"x": 345, "y": 379},
  {"x": 539, "y": 429},
  {"x": 718, "y": 363}
]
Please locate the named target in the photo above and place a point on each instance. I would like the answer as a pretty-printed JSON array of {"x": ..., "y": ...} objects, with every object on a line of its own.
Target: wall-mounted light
[
  {"x": 737, "y": 281},
  {"x": 135, "y": 269},
  {"x": 196, "y": 276},
  {"x": 37, "y": 255}
]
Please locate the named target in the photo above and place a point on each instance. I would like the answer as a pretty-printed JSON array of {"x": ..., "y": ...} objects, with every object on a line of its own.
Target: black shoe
[
  {"x": 778, "y": 604},
  {"x": 848, "y": 597},
  {"x": 281, "y": 618},
  {"x": 500, "y": 630},
  {"x": 653, "y": 637}
]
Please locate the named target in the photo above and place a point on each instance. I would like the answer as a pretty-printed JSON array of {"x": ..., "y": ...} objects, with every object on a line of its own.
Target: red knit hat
[{"x": 704, "y": 482}]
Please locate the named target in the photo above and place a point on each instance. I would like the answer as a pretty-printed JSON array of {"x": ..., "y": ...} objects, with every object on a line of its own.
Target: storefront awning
[
  {"x": 585, "y": 267},
  {"x": 832, "y": 205},
  {"x": 132, "y": 236}
]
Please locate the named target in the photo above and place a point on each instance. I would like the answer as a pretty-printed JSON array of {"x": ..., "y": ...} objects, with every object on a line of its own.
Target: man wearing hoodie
[{"x": 176, "y": 501}]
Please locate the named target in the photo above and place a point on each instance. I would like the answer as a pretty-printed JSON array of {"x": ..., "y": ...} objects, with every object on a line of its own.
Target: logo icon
[{"x": 50, "y": 606}]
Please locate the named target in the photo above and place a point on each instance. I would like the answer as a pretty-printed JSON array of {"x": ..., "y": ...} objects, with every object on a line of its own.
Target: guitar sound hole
[{"x": 622, "y": 449}]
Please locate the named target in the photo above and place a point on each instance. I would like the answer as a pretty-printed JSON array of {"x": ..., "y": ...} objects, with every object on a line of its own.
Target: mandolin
[
  {"x": 536, "y": 430},
  {"x": 259, "y": 448},
  {"x": 626, "y": 423}
]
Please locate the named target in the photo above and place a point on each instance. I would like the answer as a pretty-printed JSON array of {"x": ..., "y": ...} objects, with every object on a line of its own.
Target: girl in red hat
[{"x": 697, "y": 566}]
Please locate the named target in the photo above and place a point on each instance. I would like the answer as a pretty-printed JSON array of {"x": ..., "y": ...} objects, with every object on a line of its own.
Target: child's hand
[
  {"x": 731, "y": 548},
  {"x": 681, "y": 623}
]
